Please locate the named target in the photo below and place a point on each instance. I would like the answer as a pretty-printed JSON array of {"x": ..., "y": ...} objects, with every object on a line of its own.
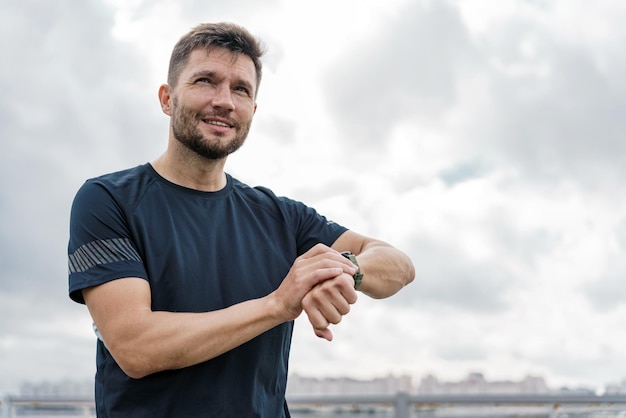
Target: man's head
[
  {"x": 208, "y": 36},
  {"x": 215, "y": 71}
]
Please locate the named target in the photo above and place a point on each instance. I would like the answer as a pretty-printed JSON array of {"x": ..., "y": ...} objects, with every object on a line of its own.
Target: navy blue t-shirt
[{"x": 199, "y": 251}]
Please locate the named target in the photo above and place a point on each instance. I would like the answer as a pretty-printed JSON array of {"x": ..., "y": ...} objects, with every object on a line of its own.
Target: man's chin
[{"x": 214, "y": 153}]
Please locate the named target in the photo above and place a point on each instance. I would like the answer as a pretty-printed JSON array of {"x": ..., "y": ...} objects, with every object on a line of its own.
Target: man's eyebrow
[{"x": 203, "y": 73}]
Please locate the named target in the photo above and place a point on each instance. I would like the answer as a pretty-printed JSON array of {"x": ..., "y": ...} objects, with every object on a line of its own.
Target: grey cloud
[
  {"x": 446, "y": 277},
  {"x": 407, "y": 72},
  {"x": 66, "y": 107},
  {"x": 620, "y": 234},
  {"x": 455, "y": 348},
  {"x": 607, "y": 292},
  {"x": 40, "y": 343},
  {"x": 581, "y": 366},
  {"x": 282, "y": 130},
  {"x": 464, "y": 170},
  {"x": 73, "y": 93},
  {"x": 525, "y": 247},
  {"x": 201, "y": 11},
  {"x": 312, "y": 194},
  {"x": 554, "y": 113},
  {"x": 551, "y": 108},
  {"x": 242, "y": 12}
]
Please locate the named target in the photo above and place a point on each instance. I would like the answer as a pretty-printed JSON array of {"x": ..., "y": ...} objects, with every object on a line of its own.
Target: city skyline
[{"x": 472, "y": 383}]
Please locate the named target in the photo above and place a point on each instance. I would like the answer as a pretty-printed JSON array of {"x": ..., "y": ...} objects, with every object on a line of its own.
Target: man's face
[{"x": 213, "y": 102}]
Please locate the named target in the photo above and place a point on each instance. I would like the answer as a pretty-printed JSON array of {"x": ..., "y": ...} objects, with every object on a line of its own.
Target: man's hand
[
  {"x": 328, "y": 302},
  {"x": 385, "y": 270},
  {"x": 317, "y": 266}
]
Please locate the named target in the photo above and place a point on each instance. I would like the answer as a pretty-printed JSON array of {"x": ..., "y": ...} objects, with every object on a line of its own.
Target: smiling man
[{"x": 192, "y": 278}]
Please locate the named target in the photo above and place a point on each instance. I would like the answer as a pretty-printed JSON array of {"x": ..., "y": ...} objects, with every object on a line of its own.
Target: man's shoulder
[
  {"x": 126, "y": 187},
  {"x": 261, "y": 195},
  {"x": 266, "y": 202},
  {"x": 123, "y": 178}
]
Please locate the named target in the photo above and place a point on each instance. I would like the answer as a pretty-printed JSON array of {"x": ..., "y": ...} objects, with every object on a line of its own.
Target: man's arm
[
  {"x": 385, "y": 270},
  {"x": 143, "y": 341}
]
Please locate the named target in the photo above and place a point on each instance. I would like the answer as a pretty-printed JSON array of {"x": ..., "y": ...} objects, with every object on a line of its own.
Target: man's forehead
[{"x": 218, "y": 58}]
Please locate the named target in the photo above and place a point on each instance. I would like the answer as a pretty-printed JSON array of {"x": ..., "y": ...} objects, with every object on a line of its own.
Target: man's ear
[{"x": 165, "y": 99}]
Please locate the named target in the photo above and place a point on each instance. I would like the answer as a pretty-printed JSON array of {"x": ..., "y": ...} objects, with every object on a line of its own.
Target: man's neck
[{"x": 193, "y": 172}]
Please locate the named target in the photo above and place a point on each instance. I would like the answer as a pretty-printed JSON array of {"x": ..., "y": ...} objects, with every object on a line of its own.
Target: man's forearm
[
  {"x": 385, "y": 269},
  {"x": 143, "y": 341}
]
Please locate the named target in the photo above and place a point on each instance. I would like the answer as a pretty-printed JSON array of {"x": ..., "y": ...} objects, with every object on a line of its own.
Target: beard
[{"x": 185, "y": 128}]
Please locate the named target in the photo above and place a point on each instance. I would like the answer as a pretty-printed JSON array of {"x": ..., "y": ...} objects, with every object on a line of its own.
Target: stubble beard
[{"x": 185, "y": 129}]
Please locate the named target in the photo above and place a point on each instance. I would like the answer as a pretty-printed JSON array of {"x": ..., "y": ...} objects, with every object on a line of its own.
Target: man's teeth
[{"x": 216, "y": 123}]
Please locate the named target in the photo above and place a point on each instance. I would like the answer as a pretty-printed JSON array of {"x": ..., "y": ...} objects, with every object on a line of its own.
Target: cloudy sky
[{"x": 484, "y": 138}]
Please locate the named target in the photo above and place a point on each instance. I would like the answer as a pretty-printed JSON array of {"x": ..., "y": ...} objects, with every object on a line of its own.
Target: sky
[{"x": 483, "y": 138}]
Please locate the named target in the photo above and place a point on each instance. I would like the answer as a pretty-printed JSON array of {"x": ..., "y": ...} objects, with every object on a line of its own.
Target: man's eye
[
  {"x": 203, "y": 80},
  {"x": 242, "y": 90}
]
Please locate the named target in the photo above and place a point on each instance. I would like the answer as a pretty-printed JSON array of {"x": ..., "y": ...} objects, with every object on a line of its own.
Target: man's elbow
[
  {"x": 135, "y": 372},
  {"x": 405, "y": 276},
  {"x": 409, "y": 274},
  {"x": 133, "y": 363}
]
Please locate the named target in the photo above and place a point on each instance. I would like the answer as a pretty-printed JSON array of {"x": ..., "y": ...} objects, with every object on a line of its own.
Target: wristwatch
[{"x": 358, "y": 276}]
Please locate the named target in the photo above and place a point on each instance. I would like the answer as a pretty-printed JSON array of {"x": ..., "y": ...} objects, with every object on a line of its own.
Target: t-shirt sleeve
[
  {"x": 100, "y": 246},
  {"x": 312, "y": 228}
]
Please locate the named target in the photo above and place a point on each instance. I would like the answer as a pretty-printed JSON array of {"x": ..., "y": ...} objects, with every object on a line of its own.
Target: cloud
[
  {"x": 509, "y": 95},
  {"x": 550, "y": 101},
  {"x": 606, "y": 292},
  {"x": 463, "y": 171},
  {"x": 447, "y": 277},
  {"x": 406, "y": 70},
  {"x": 536, "y": 92}
]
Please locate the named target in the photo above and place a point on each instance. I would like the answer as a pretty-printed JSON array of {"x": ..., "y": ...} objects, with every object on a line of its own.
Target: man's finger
[{"x": 324, "y": 333}]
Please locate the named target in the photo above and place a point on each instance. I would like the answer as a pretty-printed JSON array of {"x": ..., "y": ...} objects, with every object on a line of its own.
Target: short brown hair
[{"x": 233, "y": 37}]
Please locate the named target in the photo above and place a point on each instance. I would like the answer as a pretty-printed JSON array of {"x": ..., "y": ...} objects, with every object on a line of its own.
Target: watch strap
[{"x": 358, "y": 276}]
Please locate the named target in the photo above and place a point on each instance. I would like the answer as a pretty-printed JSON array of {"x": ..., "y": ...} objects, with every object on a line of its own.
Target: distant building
[
  {"x": 300, "y": 385},
  {"x": 616, "y": 388},
  {"x": 475, "y": 383},
  {"x": 65, "y": 398},
  {"x": 62, "y": 389}
]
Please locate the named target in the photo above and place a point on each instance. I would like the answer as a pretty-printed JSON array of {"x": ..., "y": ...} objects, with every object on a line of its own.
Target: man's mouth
[{"x": 216, "y": 123}]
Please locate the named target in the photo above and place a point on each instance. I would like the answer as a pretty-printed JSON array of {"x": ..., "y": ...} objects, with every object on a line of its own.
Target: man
[{"x": 192, "y": 278}]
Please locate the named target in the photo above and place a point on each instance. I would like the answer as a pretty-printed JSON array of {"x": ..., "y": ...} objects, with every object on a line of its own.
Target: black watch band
[{"x": 358, "y": 276}]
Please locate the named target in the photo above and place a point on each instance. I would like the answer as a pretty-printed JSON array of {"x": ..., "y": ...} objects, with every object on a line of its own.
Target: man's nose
[{"x": 223, "y": 98}]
